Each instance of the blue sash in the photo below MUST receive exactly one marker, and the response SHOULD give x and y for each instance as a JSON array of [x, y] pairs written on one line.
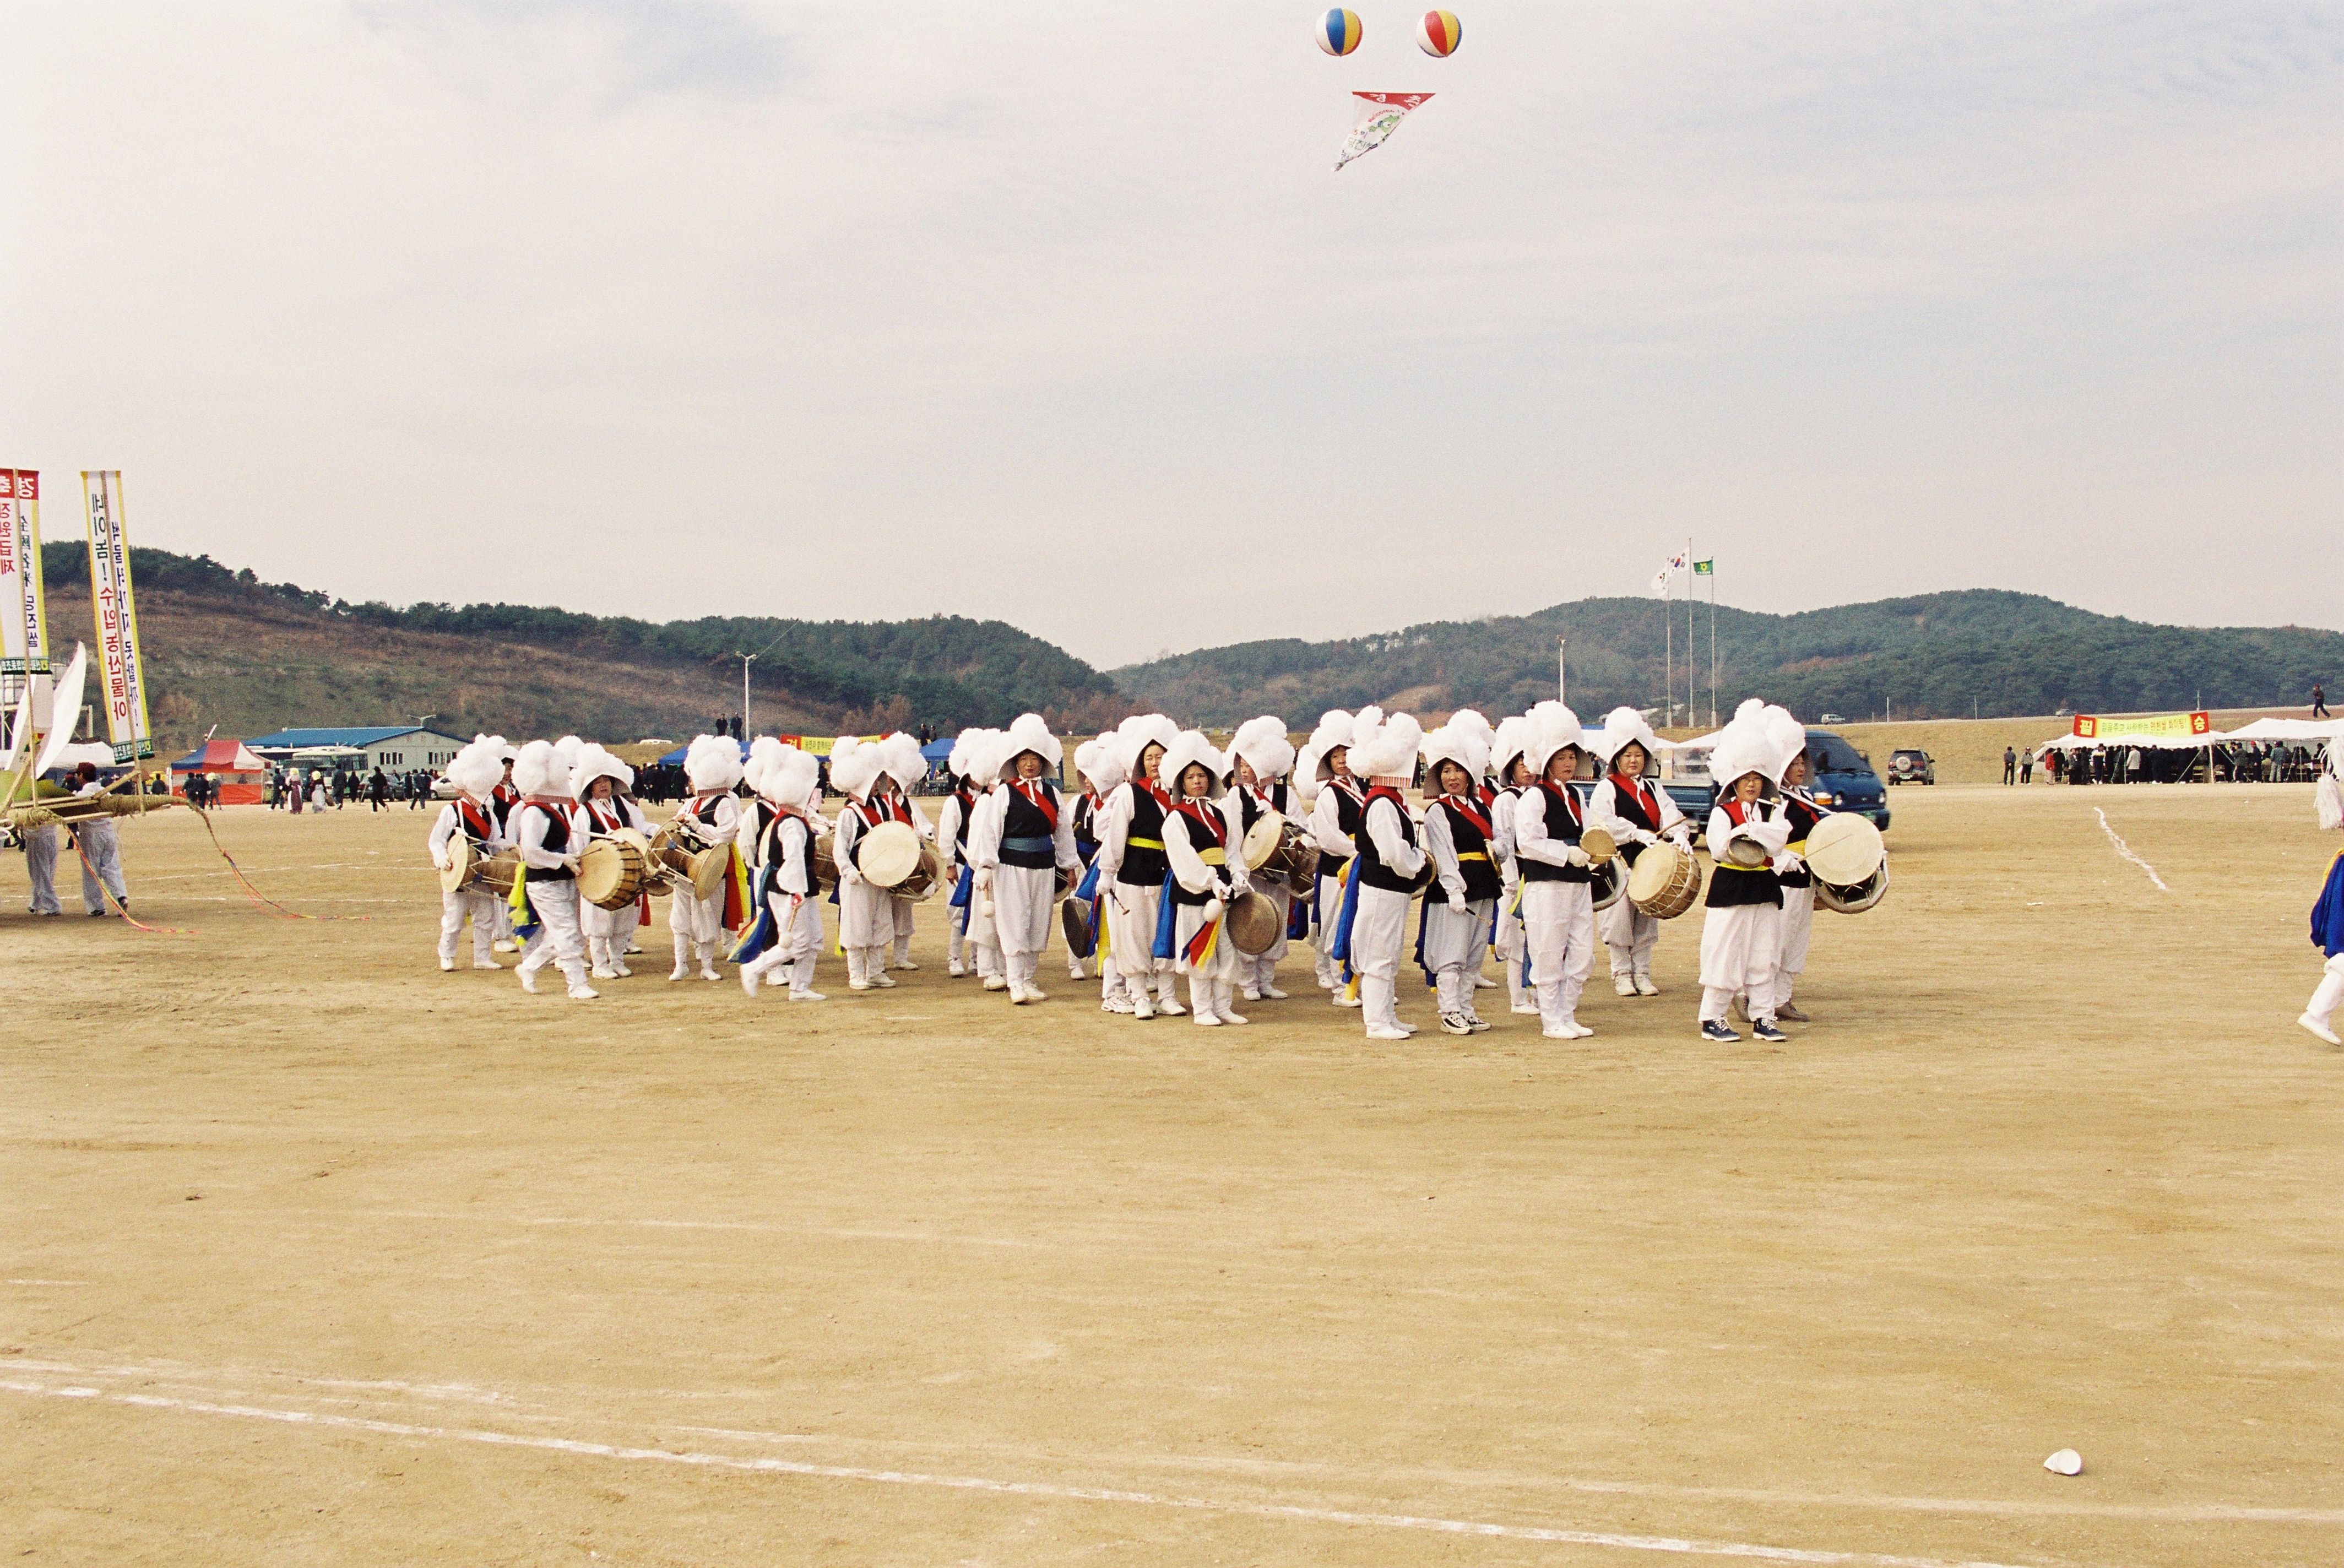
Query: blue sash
[[761, 932], [1341, 951], [2328, 913], [963, 890], [1167, 921]]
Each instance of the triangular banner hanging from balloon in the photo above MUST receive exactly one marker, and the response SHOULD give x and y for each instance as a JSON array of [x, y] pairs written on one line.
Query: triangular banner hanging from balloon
[[1379, 116]]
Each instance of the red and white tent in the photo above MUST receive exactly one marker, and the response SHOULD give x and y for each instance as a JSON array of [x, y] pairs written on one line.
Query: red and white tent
[[236, 775]]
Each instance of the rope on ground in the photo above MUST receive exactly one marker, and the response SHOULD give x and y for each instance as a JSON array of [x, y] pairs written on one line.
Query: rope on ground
[[89, 873], [259, 899], [2126, 850]]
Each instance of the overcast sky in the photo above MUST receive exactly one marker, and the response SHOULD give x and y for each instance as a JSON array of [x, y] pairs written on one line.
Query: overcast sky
[[1057, 313]]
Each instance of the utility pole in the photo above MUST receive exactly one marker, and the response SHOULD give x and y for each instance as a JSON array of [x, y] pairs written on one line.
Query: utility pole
[[1563, 669], [746, 660]]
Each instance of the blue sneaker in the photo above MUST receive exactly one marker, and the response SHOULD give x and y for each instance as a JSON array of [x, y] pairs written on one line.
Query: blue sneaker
[[1765, 1030], [1715, 1029]]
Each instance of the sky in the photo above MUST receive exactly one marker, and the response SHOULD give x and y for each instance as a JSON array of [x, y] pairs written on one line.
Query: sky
[[1059, 314]]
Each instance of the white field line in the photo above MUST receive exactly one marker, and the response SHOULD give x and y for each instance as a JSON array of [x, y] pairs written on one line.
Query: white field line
[[2126, 850], [1675, 1546]]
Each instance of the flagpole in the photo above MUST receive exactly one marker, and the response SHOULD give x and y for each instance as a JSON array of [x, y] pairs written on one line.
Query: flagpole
[[1713, 642], [1667, 652], [1690, 644]]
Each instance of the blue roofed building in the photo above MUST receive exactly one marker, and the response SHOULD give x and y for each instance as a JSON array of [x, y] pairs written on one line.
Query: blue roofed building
[[390, 747]]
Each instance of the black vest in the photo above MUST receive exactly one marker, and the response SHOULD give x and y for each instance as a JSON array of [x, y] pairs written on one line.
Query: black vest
[[1144, 867], [1480, 876], [1373, 872], [1563, 823], [1729, 884], [1249, 809], [1208, 835], [1803, 814], [1351, 813], [1024, 819], [968, 808], [1630, 810], [557, 841], [805, 852]]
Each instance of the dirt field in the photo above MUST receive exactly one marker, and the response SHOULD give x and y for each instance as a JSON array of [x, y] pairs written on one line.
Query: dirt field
[[310, 1254]]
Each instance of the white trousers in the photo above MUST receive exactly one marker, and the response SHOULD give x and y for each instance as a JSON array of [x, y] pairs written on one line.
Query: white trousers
[[903, 908], [1739, 944], [1791, 931], [1558, 931], [558, 939], [696, 919], [1511, 942], [1260, 970], [1631, 934], [1132, 911], [797, 941], [41, 869], [1022, 905], [955, 921], [1220, 965], [867, 915], [1378, 932], [1454, 941], [607, 931], [453, 909], [1331, 911], [2329, 991], [101, 860]]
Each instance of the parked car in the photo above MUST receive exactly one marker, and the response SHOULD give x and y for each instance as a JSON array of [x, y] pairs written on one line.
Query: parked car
[[1841, 777], [1831, 719], [1910, 764]]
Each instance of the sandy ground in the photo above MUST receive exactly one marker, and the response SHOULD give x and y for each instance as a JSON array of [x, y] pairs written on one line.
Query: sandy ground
[[310, 1254]]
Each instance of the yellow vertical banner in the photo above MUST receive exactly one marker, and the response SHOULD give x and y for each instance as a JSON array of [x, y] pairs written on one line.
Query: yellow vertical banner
[[116, 611]]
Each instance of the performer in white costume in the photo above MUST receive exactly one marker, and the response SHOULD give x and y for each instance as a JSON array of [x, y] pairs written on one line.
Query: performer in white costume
[[1511, 941], [867, 912], [1335, 816], [1023, 849], [1260, 758], [1390, 855], [1637, 812], [1461, 838], [1099, 768], [601, 782], [1131, 852], [791, 781], [1740, 920], [902, 767], [1558, 907], [548, 835], [1200, 841], [475, 771], [952, 851], [711, 818], [2327, 910]]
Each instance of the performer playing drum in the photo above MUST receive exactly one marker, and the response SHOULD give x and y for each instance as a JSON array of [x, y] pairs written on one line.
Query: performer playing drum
[[1022, 852], [1637, 812], [472, 819], [1740, 939], [602, 781], [711, 819], [902, 767], [1262, 757], [866, 912], [1558, 911], [548, 831], [787, 935]]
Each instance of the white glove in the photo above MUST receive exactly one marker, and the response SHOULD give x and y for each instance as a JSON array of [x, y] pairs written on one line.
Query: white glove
[[1786, 863], [572, 862], [1682, 839], [1578, 857], [1647, 838]]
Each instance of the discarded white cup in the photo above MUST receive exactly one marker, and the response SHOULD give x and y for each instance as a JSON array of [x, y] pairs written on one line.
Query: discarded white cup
[[2066, 1462]]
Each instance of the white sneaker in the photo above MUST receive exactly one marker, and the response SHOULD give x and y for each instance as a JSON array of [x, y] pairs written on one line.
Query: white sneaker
[[528, 979], [1035, 994], [1170, 1007], [584, 994], [1075, 972], [1117, 1005], [995, 982], [956, 969], [446, 966], [1207, 1021], [487, 964], [1557, 1033], [1483, 983], [505, 944], [1575, 1030], [1141, 1008], [1387, 1035], [1406, 1027], [1527, 1009], [1250, 993], [602, 972], [808, 996], [1226, 1018], [1343, 1001], [1645, 987], [2322, 1030], [906, 964], [682, 971], [634, 948], [1016, 995], [1624, 985], [748, 978], [858, 984], [620, 970], [1269, 993], [707, 972], [884, 980]]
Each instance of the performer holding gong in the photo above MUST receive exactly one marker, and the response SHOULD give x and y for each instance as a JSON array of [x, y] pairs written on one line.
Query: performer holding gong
[[602, 781], [1200, 837], [1260, 757], [1022, 853], [1458, 835], [475, 770]]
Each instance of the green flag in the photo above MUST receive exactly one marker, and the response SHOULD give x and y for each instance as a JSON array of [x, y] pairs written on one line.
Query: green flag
[[1704, 567]]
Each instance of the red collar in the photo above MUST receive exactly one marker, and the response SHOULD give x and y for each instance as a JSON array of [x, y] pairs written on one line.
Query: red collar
[[1643, 796], [1464, 808], [1040, 797], [1563, 792], [1204, 815]]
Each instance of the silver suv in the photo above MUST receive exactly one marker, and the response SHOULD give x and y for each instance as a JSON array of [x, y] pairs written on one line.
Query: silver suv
[[1911, 765]]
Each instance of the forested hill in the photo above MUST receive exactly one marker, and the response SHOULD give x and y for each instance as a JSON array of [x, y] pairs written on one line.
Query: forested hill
[[1930, 656], [223, 647]]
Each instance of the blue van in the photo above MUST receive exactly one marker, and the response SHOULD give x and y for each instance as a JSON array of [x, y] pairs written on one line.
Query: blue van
[[1842, 779]]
